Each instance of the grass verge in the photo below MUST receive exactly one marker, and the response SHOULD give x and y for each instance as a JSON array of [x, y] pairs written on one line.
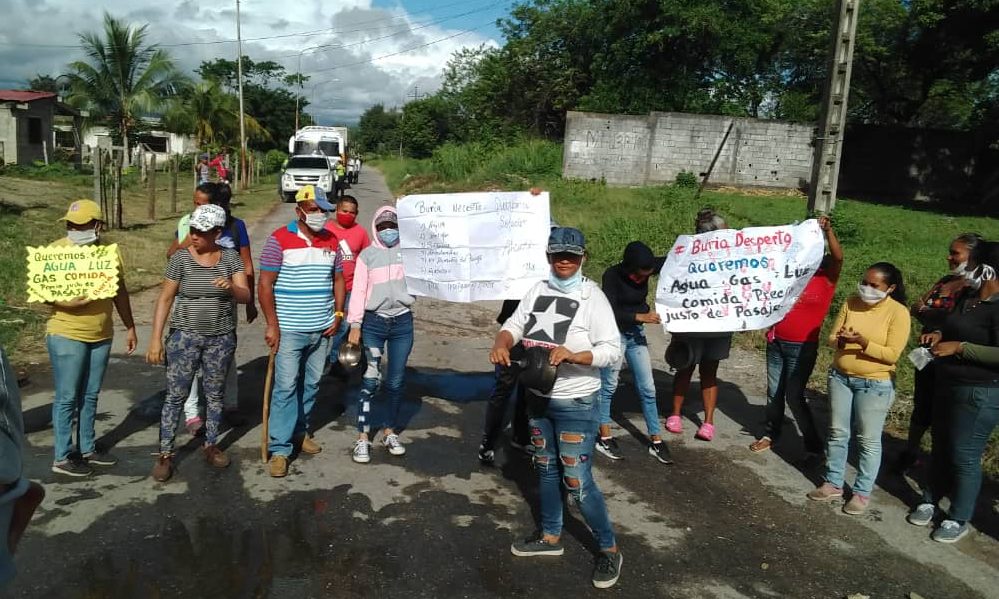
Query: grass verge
[[914, 240], [30, 208]]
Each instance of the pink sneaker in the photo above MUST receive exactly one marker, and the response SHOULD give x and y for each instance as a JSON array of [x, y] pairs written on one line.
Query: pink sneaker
[[194, 425], [674, 425], [706, 432]]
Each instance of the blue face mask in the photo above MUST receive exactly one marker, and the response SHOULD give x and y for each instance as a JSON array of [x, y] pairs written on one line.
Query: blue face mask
[[389, 237], [566, 285]]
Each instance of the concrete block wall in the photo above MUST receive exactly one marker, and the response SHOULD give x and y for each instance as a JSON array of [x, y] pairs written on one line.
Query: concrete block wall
[[757, 152], [606, 146]]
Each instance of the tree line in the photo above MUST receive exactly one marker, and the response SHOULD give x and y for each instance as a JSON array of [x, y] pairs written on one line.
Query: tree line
[[134, 87], [918, 63]]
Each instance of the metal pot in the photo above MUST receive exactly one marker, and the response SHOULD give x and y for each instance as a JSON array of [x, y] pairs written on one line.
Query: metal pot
[[679, 354], [349, 355], [537, 373]]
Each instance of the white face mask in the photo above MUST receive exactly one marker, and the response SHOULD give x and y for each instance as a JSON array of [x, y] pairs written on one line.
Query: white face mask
[[980, 275], [960, 269], [315, 221], [85, 237], [871, 295]]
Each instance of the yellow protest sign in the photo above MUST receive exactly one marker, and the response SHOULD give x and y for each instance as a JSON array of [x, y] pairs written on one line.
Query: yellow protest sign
[[58, 273]]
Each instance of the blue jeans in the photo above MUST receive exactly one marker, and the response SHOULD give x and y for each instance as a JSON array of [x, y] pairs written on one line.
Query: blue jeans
[[789, 365], [78, 369], [340, 336], [563, 442], [298, 366], [865, 402], [636, 351], [390, 337], [959, 440]]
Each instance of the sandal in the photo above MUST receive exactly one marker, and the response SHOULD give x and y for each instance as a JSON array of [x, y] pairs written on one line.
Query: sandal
[[760, 445], [706, 432], [674, 425]]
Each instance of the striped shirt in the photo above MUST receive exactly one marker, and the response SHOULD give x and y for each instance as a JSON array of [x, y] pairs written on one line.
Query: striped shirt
[[303, 291], [201, 307]]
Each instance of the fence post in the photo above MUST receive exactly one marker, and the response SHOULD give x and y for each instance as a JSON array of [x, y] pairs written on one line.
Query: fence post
[[174, 159], [96, 159], [152, 186]]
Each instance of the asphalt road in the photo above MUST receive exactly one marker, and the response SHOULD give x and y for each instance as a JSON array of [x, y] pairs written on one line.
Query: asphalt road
[[721, 523]]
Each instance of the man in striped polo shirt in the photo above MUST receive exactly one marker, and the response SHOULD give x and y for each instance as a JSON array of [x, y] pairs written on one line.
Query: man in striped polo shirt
[[301, 293]]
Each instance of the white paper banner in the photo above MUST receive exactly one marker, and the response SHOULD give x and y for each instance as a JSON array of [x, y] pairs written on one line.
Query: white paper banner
[[734, 280], [468, 247]]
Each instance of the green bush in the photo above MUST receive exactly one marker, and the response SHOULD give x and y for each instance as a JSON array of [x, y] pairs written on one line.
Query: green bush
[[686, 179], [273, 160]]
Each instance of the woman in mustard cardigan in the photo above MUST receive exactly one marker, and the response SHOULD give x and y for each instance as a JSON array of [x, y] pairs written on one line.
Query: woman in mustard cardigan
[[869, 335]]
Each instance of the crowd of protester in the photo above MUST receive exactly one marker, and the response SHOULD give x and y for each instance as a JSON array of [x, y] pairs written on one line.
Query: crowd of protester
[[326, 288]]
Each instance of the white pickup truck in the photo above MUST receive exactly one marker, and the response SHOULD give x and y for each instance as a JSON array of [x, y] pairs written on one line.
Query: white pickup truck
[[313, 169]]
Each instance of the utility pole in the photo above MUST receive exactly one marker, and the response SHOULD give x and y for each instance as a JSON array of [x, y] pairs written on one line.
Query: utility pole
[[829, 140], [242, 121], [299, 95]]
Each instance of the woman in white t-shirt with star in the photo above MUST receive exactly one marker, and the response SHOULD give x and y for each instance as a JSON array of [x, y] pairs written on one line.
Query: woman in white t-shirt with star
[[570, 321]]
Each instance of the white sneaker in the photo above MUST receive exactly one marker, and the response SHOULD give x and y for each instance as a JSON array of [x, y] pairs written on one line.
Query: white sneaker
[[391, 442], [362, 452]]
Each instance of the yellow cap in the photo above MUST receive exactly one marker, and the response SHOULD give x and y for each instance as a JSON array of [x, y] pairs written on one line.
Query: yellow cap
[[305, 194], [82, 212]]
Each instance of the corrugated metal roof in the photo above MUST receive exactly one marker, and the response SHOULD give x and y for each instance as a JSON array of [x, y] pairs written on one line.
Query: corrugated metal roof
[[15, 95]]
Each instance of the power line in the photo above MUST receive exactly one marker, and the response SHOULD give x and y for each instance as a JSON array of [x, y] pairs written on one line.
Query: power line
[[311, 33], [403, 51], [407, 30]]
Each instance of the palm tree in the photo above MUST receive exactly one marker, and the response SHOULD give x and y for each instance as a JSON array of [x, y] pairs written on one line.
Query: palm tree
[[122, 77], [209, 114]]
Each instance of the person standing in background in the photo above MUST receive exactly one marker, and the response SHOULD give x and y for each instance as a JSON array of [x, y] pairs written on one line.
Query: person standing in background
[[351, 240], [78, 339], [203, 170]]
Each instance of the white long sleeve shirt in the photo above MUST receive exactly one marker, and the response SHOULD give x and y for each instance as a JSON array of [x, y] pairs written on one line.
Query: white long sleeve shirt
[[581, 320]]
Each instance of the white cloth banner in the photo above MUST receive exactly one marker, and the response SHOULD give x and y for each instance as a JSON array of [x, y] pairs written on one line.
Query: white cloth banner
[[468, 247], [737, 280]]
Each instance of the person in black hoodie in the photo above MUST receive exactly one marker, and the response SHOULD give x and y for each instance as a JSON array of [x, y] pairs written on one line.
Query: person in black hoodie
[[966, 402], [626, 286], [507, 378]]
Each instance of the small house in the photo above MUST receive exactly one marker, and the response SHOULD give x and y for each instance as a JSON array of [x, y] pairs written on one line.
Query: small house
[[37, 126]]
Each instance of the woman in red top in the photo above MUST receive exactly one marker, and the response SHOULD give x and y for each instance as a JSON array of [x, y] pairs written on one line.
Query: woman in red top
[[792, 347]]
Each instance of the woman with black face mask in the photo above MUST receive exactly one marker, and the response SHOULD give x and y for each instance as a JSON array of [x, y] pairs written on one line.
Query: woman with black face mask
[[966, 404]]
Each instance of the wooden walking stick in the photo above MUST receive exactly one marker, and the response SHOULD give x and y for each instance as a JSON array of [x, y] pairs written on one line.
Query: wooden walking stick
[[268, 383]]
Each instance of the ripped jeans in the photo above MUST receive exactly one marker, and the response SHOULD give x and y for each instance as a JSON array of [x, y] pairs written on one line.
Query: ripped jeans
[[563, 440]]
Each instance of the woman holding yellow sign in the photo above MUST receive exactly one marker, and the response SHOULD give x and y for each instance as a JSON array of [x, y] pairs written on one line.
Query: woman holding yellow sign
[[200, 285], [79, 345]]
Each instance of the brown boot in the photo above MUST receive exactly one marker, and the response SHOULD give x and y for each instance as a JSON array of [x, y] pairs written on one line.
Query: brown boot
[[163, 469], [309, 446], [215, 457], [279, 466]]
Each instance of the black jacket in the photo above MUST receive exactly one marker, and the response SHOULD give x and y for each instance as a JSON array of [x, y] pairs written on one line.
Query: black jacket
[[626, 297], [977, 322]]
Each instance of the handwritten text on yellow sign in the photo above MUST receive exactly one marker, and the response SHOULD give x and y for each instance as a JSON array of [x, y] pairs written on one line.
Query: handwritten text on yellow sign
[[62, 273]]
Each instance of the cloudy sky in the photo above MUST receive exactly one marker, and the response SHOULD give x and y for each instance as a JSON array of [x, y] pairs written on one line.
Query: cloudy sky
[[379, 50]]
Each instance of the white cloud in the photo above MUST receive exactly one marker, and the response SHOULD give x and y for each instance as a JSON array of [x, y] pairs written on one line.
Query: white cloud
[[367, 33]]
